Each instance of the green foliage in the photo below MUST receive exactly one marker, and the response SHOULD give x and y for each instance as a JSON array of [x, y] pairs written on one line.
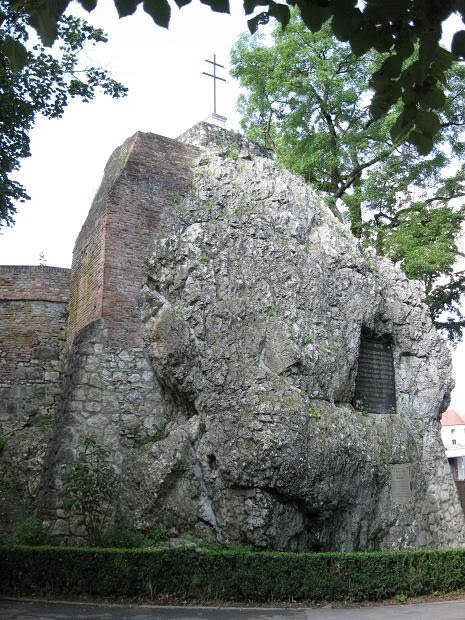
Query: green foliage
[[275, 310], [157, 535], [313, 413], [33, 82], [240, 574], [43, 421], [412, 76], [306, 97], [31, 531], [120, 537], [157, 434], [90, 489], [232, 153]]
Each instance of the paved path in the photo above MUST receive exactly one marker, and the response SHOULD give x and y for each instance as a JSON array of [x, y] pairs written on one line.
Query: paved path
[[25, 610]]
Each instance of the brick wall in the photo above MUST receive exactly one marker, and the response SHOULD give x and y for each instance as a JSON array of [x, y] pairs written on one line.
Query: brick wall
[[143, 176], [33, 312], [34, 283], [85, 305]]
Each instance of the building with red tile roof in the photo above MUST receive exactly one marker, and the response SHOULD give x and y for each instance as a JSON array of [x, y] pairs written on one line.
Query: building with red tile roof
[[450, 417]]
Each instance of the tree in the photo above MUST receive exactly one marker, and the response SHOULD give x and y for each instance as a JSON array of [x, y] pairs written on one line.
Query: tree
[[307, 99], [395, 27], [44, 85]]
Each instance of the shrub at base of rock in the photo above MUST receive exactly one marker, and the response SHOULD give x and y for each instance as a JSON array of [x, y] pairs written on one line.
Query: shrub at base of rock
[[229, 575]]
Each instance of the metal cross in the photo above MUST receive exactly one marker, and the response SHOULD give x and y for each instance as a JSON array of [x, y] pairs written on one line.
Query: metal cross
[[215, 78]]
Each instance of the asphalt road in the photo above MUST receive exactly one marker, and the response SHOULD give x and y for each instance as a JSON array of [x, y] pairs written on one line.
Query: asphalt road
[[27, 610]]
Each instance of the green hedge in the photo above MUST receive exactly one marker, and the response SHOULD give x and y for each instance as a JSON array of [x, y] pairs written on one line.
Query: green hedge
[[228, 575]]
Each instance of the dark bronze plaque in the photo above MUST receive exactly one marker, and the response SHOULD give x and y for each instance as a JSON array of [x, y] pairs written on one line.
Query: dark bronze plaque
[[374, 385]]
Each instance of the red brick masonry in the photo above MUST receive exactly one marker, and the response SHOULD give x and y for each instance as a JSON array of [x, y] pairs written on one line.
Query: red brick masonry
[[19, 282]]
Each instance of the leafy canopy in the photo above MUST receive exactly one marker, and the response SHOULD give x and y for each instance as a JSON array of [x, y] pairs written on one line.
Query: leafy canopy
[[306, 97], [34, 81], [395, 27]]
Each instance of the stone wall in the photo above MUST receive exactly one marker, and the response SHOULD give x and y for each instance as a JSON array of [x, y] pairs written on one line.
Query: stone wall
[[111, 392], [33, 315]]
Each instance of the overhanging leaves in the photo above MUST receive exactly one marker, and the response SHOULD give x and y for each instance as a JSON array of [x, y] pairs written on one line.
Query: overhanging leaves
[[314, 15], [427, 123], [251, 5], [88, 5], [281, 12], [159, 11], [458, 44], [392, 66], [126, 7], [45, 24], [260, 19], [15, 52], [347, 24], [219, 6], [401, 28], [422, 142]]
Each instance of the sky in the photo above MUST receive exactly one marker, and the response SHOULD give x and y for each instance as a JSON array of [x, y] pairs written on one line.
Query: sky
[[167, 94]]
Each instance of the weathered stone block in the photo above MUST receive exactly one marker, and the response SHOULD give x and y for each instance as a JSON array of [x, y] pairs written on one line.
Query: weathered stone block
[[45, 352]]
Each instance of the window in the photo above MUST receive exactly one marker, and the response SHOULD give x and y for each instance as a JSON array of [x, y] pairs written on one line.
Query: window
[[374, 384]]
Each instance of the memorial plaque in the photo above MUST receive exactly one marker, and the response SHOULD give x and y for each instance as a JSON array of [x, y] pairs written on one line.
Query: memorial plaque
[[375, 385], [401, 492]]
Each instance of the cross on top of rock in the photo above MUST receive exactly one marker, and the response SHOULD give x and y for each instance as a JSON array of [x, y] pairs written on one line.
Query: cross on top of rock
[[215, 79]]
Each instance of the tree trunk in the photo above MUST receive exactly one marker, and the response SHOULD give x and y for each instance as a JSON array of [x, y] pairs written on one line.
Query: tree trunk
[[355, 209]]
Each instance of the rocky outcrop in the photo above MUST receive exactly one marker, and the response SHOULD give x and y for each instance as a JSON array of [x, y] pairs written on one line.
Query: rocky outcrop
[[255, 303], [261, 380]]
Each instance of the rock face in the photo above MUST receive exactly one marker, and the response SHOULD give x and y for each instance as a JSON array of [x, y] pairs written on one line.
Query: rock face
[[235, 377], [255, 303]]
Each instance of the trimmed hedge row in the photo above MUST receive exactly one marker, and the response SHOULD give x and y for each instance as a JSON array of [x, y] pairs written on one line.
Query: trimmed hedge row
[[228, 575]]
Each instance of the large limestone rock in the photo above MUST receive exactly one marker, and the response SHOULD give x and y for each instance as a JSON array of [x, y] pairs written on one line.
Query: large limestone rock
[[255, 301]]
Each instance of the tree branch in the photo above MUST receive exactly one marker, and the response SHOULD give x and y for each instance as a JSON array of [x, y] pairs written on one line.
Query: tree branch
[[439, 198], [354, 174]]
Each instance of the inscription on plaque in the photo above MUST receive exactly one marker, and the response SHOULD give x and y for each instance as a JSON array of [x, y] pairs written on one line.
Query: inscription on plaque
[[374, 385], [401, 491]]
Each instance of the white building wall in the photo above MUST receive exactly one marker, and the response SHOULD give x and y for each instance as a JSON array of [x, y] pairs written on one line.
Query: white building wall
[[453, 437]]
